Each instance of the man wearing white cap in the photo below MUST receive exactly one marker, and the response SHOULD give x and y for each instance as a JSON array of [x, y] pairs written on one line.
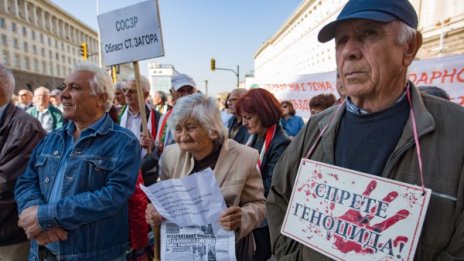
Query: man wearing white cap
[[385, 127], [181, 85]]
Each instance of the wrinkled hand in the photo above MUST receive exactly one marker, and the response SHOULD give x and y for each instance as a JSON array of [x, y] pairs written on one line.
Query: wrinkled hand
[[231, 218], [146, 142], [152, 216], [29, 222], [53, 235]]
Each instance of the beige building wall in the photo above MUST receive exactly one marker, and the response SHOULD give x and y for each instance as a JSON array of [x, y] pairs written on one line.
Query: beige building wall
[[40, 42], [294, 48]]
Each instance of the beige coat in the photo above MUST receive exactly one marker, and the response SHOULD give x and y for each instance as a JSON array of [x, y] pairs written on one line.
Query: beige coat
[[236, 173]]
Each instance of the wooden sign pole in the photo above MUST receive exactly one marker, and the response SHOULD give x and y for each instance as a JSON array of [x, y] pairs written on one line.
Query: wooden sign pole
[[141, 100]]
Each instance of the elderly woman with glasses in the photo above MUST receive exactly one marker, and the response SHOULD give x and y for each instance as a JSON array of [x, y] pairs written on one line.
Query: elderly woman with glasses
[[201, 143], [291, 123]]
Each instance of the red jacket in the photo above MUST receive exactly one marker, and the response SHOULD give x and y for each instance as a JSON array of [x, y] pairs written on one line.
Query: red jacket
[[138, 228]]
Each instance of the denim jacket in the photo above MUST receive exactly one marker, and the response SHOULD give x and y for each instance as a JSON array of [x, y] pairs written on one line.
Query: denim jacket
[[99, 178]]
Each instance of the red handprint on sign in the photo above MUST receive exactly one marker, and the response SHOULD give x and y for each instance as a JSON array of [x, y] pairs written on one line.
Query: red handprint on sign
[[360, 225]]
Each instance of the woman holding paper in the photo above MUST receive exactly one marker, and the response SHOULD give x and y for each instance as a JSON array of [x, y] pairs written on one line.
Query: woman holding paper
[[201, 143]]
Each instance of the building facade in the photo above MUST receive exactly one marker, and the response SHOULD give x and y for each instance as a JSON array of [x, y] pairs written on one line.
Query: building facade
[[40, 42], [160, 76], [294, 48]]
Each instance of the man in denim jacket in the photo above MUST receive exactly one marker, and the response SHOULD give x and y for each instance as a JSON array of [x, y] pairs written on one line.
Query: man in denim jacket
[[72, 198]]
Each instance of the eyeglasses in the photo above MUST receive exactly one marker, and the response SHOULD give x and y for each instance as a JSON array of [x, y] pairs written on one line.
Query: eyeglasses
[[130, 91], [284, 106]]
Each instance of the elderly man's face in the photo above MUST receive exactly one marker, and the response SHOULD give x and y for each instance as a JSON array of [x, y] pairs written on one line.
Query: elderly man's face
[[119, 97], [183, 91], [371, 62], [25, 97], [79, 105], [41, 98]]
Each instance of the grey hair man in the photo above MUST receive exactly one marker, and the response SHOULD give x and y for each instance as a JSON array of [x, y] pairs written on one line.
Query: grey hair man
[[131, 117], [19, 134], [48, 115], [25, 99], [160, 101], [372, 131], [237, 131], [79, 179]]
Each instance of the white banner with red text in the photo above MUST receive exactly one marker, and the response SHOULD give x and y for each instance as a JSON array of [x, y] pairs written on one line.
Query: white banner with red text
[[446, 73]]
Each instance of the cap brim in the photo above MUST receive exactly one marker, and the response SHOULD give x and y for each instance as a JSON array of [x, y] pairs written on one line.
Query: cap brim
[[327, 32]]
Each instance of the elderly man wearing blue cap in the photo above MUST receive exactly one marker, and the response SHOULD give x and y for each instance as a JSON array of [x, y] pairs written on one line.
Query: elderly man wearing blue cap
[[379, 128]]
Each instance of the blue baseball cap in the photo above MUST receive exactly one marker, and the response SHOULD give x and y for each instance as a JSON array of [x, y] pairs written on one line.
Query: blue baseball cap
[[376, 10]]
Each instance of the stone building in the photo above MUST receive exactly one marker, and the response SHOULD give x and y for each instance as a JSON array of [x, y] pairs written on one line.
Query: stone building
[[41, 43]]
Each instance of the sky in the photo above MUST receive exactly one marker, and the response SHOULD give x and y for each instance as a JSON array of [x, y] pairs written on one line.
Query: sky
[[196, 31]]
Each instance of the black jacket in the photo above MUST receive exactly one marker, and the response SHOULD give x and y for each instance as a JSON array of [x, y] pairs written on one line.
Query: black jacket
[[19, 134]]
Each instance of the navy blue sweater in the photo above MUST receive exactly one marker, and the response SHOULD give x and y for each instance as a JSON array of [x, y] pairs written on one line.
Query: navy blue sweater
[[365, 142]]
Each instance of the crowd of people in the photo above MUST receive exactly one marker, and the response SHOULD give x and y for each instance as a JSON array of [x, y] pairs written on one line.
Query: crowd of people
[[72, 159]]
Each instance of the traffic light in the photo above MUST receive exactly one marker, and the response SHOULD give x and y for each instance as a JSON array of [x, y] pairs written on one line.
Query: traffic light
[[213, 64], [84, 51]]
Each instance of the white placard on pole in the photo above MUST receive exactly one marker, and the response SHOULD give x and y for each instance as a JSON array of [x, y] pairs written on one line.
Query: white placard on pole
[[131, 34]]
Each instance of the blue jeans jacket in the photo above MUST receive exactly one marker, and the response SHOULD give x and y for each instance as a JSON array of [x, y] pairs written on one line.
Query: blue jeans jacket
[[99, 178]]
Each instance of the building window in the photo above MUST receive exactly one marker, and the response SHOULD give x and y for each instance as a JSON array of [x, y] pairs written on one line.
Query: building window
[[27, 63], [15, 43], [63, 59], [57, 57], [51, 68], [36, 65], [62, 46], [49, 41], [44, 67], [34, 49], [13, 27], [4, 40], [33, 34], [6, 58], [2, 22], [42, 51], [24, 31], [58, 71], [26, 47], [41, 38], [56, 43], [50, 54], [17, 61]]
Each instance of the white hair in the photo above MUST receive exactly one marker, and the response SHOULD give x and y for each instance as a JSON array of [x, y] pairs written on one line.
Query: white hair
[[7, 81], [41, 88], [405, 32], [202, 109], [101, 82], [119, 85], [145, 84]]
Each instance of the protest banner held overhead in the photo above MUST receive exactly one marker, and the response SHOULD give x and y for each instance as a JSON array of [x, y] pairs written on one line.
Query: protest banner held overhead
[[349, 215], [131, 34]]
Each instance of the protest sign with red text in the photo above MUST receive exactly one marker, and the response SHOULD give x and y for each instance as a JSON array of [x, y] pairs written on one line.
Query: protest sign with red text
[[349, 215]]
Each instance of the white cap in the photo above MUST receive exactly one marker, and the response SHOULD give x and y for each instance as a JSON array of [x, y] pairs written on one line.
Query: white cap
[[180, 80]]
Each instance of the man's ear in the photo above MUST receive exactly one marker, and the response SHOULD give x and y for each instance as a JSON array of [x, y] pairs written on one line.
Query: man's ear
[[412, 48], [101, 100]]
